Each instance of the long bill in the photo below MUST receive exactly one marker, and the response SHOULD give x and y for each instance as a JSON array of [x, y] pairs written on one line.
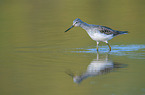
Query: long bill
[[69, 28]]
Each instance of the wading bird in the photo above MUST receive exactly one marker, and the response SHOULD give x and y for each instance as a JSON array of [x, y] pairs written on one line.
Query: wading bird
[[97, 32]]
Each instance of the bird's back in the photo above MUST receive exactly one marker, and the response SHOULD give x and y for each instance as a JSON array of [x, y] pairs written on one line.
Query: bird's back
[[108, 31]]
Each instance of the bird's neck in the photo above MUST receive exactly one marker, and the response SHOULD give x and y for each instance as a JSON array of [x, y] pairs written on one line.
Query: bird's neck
[[85, 26]]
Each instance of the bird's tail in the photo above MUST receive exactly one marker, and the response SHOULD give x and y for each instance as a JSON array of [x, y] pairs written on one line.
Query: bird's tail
[[122, 32]]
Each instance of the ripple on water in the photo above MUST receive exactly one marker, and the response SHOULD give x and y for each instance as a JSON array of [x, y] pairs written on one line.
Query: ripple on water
[[132, 51]]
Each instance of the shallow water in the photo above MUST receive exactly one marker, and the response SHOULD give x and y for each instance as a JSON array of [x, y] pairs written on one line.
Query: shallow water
[[38, 58], [130, 51]]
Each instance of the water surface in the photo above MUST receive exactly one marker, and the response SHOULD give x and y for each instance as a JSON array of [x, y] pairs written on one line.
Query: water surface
[[38, 58]]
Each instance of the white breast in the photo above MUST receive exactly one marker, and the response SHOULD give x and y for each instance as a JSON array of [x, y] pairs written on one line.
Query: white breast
[[97, 36]]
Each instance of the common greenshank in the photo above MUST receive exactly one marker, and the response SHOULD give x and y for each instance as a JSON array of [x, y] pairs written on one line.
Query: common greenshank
[[97, 32]]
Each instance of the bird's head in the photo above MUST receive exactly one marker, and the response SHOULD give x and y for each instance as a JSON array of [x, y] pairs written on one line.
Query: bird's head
[[76, 23]]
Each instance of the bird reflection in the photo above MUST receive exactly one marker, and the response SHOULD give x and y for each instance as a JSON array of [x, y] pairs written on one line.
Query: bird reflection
[[100, 65]]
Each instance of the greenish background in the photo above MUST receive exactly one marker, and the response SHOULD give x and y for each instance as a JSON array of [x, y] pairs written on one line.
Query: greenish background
[[35, 53]]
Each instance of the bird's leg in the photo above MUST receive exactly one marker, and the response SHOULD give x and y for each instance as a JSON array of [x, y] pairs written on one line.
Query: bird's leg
[[97, 45], [108, 45]]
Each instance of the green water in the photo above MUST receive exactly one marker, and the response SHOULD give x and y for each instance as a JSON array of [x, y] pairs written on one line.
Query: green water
[[38, 58]]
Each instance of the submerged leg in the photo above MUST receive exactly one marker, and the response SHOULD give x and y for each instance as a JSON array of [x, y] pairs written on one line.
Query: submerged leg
[[108, 45], [97, 45]]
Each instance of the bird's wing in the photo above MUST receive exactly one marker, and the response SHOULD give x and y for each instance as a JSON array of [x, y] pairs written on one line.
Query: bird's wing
[[106, 30]]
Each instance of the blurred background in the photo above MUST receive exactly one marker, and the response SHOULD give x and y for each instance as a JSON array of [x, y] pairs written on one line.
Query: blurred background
[[35, 53]]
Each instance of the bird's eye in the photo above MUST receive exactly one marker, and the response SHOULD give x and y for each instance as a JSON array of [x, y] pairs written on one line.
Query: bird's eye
[[76, 22]]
